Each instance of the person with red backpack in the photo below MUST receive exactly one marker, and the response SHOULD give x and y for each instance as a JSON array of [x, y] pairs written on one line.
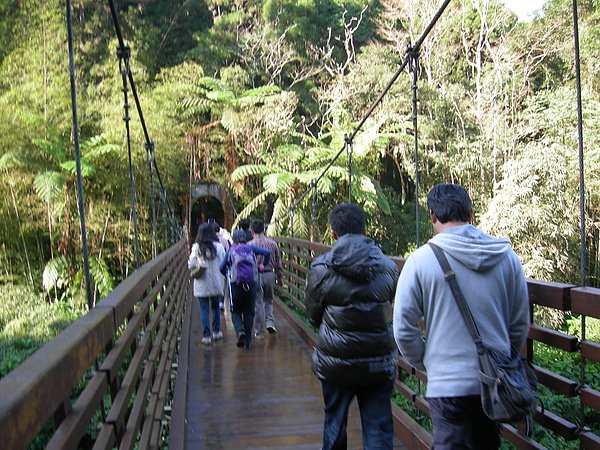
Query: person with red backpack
[[240, 260]]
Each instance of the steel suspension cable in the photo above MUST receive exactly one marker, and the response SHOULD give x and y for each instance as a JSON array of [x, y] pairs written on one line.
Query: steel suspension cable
[[80, 202], [583, 263], [414, 59], [86, 258], [123, 53]]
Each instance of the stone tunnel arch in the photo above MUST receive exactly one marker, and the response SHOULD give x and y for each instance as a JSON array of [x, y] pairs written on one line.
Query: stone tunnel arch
[[206, 192]]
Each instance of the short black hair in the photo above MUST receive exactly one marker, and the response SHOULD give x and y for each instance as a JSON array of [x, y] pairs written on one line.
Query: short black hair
[[257, 226], [450, 203], [245, 224], [347, 218]]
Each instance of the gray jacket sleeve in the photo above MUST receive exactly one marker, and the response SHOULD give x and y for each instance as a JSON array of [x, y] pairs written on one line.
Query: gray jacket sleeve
[[408, 309]]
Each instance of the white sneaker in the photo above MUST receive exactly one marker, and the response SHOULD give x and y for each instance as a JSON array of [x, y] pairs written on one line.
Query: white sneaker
[[218, 335], [206, 340]]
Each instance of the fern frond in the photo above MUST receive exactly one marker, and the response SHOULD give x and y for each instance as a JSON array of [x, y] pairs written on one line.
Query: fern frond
[[231, 120], [254, 97], [279, 217], [101, 276], [301, 224], [367, 190], [250, 170], [56, 273], [49, 185], [250, 207], [212, 84], [87, 168], [52, 149], [11, 160], [291, 152], [277, 183]]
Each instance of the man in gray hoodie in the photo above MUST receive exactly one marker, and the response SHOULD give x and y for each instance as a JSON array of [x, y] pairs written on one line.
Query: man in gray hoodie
[[491, 278]]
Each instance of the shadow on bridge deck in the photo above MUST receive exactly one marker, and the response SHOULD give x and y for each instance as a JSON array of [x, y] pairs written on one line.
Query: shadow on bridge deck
[[262, 397]]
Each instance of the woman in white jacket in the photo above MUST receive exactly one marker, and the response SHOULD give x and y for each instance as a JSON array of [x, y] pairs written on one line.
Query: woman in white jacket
[[209, 287]]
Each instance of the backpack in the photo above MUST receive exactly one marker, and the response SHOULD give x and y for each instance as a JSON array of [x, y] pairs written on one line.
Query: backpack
[[243, 264]]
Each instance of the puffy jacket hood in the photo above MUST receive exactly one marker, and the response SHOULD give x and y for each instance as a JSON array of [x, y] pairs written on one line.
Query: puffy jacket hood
[[355, 257], [471, 247]]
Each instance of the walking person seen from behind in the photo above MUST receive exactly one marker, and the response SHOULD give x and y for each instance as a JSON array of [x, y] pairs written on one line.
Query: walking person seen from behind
[[490, 275], [349, 297], [209, 287], [240, 261], [270, 274]]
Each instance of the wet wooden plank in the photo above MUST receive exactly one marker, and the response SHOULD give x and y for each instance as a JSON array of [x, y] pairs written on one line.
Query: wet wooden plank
[[264, 397]]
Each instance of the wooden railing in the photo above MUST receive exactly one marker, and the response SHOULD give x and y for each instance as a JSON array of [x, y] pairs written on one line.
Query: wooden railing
[[105, 380], [296, 257]]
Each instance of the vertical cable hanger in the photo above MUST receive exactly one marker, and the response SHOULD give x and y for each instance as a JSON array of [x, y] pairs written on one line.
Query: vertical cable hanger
[[583, 261], [80, 203], [123, 53], [163, 198], [149, 144], [348, 145], [150, 157], [313, 210], [413, 55]]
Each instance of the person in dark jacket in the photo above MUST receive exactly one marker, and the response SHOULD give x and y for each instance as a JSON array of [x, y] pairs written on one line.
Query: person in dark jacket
[[349, 297]]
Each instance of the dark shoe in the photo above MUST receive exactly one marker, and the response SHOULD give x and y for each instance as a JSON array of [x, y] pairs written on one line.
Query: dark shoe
[[241, 339], [272, 329]]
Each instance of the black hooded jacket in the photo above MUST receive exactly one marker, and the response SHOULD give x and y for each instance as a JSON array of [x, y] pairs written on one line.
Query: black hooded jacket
[[349, 296]]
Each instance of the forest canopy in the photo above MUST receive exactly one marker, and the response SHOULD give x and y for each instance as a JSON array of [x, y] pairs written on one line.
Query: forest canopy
[[259, 95]]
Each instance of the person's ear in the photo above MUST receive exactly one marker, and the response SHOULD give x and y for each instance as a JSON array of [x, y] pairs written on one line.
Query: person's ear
[[432, 217]]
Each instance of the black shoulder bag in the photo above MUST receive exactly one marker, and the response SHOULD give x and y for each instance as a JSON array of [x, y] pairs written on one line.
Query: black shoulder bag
[[508, 384]]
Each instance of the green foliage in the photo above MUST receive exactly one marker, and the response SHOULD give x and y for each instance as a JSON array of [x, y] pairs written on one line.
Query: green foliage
[[27, 321]]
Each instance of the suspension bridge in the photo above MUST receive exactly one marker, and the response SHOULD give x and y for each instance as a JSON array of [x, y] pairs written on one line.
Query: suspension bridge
[[132, 373]]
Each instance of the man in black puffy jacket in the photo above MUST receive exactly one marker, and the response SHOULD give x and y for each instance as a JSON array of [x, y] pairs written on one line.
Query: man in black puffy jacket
[[349, 297]]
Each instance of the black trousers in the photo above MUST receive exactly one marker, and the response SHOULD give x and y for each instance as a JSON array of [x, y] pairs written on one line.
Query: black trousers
[[460, 423]]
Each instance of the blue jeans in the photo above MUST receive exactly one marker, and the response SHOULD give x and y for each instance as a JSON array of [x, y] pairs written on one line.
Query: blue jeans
[[205, 316], [460, 423], [375, 407], [242, 313]]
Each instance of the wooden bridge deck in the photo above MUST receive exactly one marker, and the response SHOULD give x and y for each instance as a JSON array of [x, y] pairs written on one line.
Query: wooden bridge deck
[[264, 397]]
